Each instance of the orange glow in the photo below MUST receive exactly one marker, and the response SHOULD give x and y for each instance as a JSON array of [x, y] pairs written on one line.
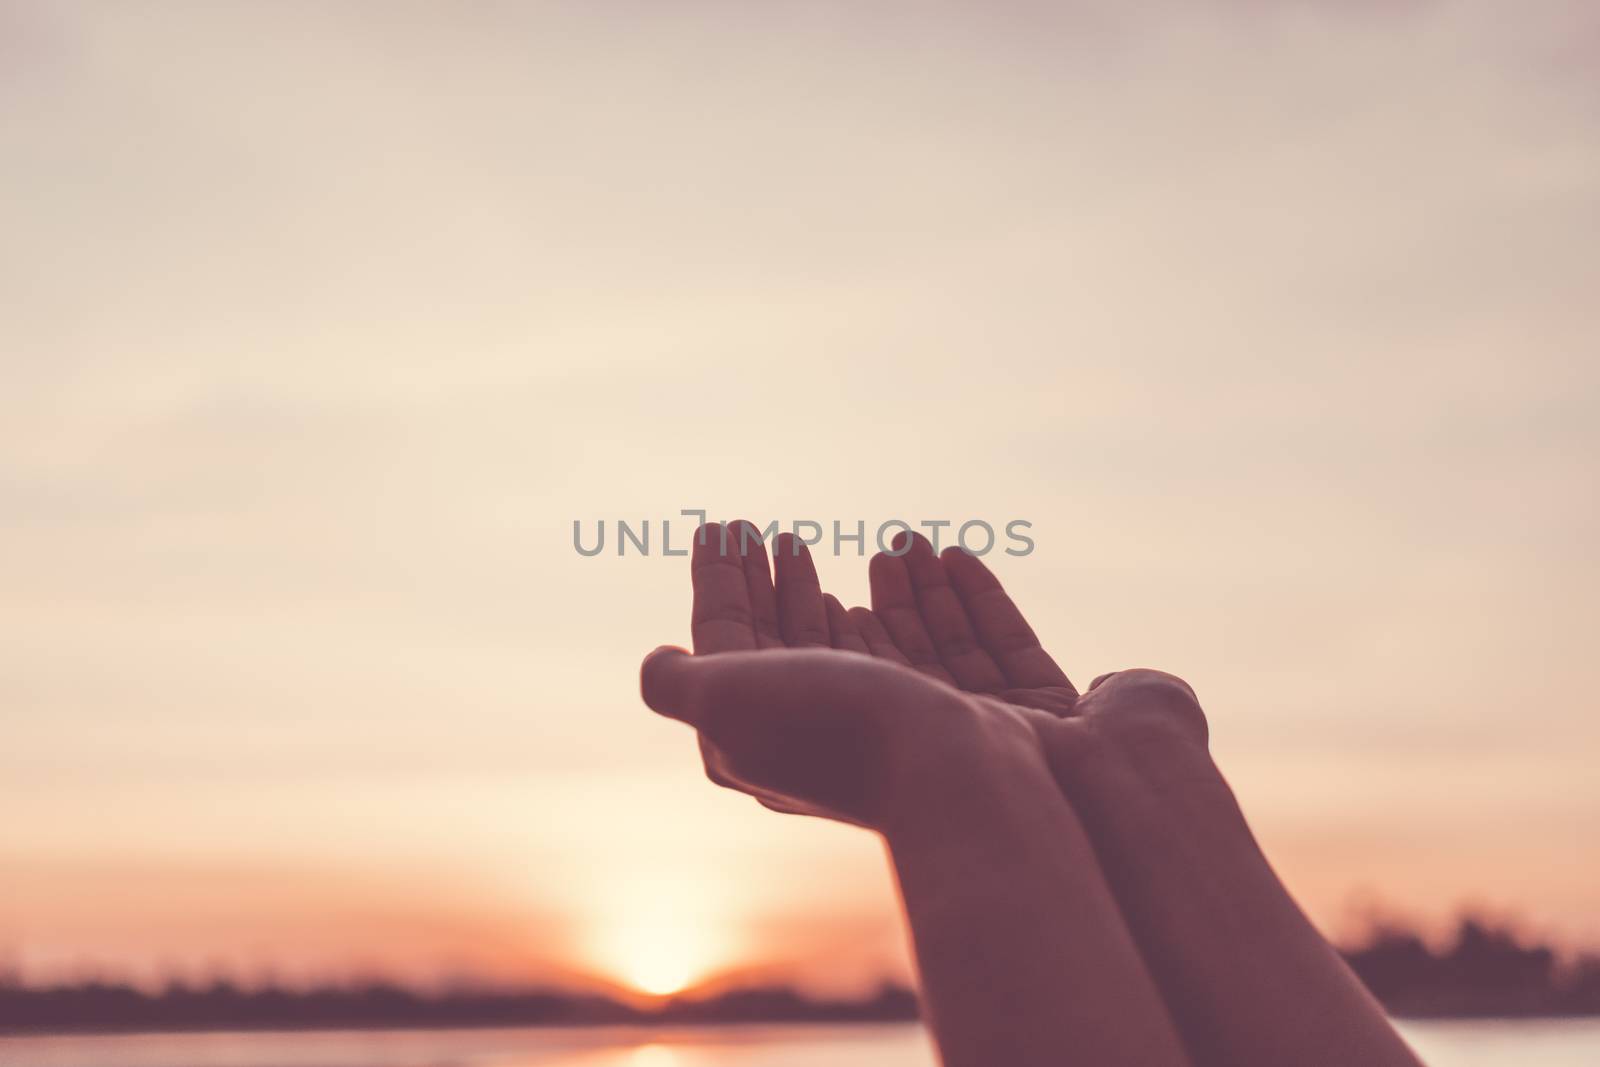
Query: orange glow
[[657, 973], [656, 961], [658, 941], [302, 678]]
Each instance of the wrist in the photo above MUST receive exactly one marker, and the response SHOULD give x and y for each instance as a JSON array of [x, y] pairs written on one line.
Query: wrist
[[1144, 772], [968, 786]]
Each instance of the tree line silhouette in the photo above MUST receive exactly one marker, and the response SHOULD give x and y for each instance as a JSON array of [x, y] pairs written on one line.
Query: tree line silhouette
[[223, 1005], [1485, 971]]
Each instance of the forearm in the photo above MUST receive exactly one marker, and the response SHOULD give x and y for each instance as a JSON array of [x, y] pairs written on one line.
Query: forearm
[[1024, 957], [1245, 975]]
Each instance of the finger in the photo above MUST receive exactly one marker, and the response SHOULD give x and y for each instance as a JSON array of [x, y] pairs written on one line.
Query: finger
[[894, 602], [721, 619], [998, 624], [668, 684], [802, 617], [842, 631], [876, 637], [796, 723], [734, 696], [745, 539], [1096, 683], [944, 617]]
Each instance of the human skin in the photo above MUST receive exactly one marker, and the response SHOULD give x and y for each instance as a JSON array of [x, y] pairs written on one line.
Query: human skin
[[1023, 953], [1246, 977]]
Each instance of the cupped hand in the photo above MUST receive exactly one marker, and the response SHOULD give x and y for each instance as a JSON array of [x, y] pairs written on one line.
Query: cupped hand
[[847, 714], [787, 714], [947, 616]]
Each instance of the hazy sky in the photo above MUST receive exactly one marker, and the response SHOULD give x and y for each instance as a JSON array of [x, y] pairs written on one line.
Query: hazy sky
[[320, 324]]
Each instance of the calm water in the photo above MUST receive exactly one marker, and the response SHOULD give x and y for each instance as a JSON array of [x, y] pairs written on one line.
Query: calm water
[[1476, 1044]]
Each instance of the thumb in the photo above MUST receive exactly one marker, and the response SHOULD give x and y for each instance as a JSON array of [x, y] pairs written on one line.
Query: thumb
[[667, 683]]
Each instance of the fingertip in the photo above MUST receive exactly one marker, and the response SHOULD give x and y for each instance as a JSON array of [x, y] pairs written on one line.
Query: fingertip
[[923, 564], [663, 678], [710, 539], [889, 579], [787, 544], [659, 656], [969, 571], [908, 541]]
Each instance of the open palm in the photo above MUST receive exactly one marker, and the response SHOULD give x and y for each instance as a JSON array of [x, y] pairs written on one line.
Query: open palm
[[818, 710], [785, 709], [948, 617]]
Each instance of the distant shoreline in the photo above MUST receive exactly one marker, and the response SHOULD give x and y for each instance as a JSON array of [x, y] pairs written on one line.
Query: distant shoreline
[[102, 1008], [401, 1026], [1486, 974]]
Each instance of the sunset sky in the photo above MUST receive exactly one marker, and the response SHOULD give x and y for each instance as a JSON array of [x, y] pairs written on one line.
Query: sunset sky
[[321, 324]]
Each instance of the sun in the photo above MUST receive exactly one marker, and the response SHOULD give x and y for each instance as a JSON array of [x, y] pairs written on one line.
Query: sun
[[658, 974], [658, 930], [659, 937], [658, 955]]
